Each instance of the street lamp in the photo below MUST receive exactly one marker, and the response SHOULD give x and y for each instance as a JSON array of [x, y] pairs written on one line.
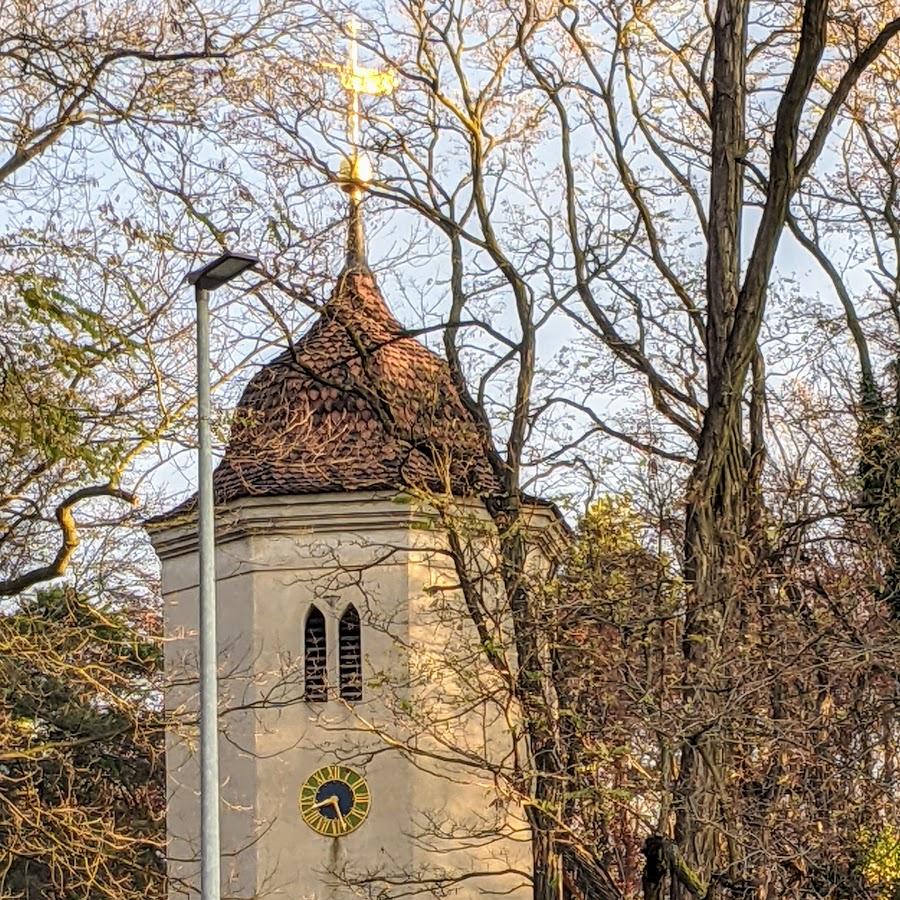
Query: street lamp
[[211, 276]]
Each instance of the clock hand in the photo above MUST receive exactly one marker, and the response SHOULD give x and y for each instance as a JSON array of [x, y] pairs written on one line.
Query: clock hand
[[337, 808], [331, 801]]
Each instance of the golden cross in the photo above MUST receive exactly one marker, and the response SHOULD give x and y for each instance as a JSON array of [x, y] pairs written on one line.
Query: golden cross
[[356, 80]]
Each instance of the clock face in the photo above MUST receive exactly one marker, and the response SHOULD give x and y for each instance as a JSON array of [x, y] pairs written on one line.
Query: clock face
[[334, 800]]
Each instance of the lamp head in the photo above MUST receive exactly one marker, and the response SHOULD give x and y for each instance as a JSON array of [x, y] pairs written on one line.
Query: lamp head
[[221, 270]]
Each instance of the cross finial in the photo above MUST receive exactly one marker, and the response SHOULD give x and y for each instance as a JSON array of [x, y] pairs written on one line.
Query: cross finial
[[356, 170], [356, 80]]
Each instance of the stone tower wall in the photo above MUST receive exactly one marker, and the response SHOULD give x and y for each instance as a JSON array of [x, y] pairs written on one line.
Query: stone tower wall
[[431, 734]]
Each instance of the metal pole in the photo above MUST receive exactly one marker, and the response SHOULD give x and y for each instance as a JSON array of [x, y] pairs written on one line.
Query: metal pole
[[209, 727]]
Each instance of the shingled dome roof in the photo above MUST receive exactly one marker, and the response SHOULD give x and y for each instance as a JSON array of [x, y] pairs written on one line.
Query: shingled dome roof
[[355, 405]]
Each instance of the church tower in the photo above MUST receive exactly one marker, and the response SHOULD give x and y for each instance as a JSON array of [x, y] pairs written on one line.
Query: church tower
[[367, 747]]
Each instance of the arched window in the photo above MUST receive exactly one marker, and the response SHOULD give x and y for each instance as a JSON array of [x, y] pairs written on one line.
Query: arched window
[[350, 655], [315, 667]]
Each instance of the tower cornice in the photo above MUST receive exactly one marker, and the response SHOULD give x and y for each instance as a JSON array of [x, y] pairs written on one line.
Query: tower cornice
[[365, 513]]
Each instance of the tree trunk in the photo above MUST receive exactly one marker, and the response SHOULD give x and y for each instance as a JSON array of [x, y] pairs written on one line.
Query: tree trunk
[[717, 507], [540, 722], [722, 500]]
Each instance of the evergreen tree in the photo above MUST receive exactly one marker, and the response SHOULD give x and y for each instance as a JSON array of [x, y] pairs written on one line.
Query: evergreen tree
[[82, 783]]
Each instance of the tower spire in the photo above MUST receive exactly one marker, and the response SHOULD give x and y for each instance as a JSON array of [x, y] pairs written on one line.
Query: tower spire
[[356, 170]]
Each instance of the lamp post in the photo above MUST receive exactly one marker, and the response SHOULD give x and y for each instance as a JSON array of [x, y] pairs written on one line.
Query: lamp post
[[211, 276]]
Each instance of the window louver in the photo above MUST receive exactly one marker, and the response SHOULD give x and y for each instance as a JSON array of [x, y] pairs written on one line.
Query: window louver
[[315, 658], [350, 655]]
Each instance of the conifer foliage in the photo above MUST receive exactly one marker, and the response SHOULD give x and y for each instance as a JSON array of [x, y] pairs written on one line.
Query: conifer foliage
[[81, 765]]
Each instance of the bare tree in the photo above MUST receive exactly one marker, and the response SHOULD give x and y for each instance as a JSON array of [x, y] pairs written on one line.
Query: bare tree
[[493, 91], [92, 372], [599, 191]]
